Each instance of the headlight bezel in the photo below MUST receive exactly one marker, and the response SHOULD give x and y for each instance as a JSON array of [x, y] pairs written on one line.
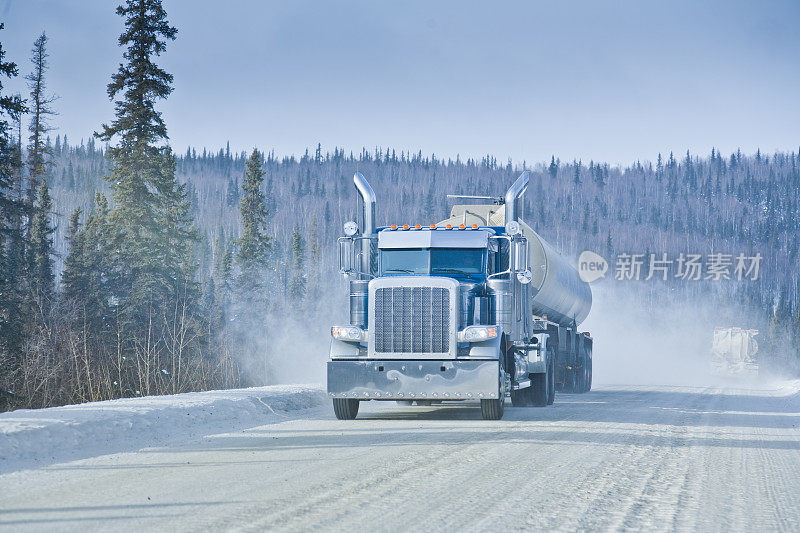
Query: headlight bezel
[[348, 333], [479, 333]]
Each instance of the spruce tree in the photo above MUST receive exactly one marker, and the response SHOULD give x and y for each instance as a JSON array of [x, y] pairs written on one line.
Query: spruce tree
[[297, 284], [71, 277], [39, 153], [553, 168], [40, 263], [42, 278], [86, 274], [12, 244], [253, 246], [150, 228]]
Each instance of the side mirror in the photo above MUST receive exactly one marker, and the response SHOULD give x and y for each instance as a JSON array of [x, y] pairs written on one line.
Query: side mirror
[[346, 254]]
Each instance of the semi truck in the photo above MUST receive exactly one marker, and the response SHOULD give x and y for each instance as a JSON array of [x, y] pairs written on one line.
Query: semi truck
[[477, 307], [732, 352]]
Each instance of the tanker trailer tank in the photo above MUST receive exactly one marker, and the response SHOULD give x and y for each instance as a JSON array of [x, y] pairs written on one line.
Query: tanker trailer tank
[[558, 291]]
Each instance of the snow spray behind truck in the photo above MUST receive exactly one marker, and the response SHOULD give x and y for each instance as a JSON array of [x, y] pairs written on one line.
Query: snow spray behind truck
[[476, 307]]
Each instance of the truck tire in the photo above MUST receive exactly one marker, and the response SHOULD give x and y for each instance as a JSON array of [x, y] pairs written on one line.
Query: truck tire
[[572, 381], [589, 375], [551, 390], [539, 389], [585, 381], [345, 408], [544, 383], [492, 409]]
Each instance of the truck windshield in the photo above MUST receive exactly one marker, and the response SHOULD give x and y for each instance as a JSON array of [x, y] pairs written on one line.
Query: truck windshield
[[459, 263]]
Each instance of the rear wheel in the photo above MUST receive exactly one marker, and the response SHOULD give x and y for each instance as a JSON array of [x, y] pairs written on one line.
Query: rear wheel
[[572, 381], [345, 408], [551, 389], [580, 378], [588, 375], [540, 388], [585, 379]]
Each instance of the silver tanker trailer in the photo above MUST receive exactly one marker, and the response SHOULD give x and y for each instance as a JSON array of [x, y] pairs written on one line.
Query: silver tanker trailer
[[476, 307]]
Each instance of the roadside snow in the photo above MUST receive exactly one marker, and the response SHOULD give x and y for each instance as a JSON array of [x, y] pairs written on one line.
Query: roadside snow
[[34, 438]]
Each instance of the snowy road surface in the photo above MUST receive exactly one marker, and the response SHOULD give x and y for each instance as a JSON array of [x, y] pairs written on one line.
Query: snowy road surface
[[637, 458]]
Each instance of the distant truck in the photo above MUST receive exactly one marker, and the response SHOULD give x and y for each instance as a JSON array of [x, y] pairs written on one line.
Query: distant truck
[[732, 352], [475, 307]]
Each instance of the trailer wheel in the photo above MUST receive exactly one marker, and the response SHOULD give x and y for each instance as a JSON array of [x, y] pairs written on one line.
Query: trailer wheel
[[551, 389], [589, 375], [572, 382], [345, 408], [585, 383]]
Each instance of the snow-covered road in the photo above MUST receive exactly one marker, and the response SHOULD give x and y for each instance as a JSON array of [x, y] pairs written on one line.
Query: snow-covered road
[[639, 458]]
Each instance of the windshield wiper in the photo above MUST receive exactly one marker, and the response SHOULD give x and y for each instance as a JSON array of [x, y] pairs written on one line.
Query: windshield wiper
[[452, 270], [407, 271]]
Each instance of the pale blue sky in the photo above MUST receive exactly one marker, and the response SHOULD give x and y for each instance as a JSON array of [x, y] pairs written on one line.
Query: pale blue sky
[[613, 81]]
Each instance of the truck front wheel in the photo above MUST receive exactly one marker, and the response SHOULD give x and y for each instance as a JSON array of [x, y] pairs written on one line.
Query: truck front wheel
[[345, 408], [493, 409]]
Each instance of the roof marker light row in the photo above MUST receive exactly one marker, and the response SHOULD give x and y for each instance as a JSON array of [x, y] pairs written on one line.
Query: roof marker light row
[[432, 226]]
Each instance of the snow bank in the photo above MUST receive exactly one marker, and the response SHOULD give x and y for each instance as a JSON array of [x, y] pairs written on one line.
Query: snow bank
[[35, 438]]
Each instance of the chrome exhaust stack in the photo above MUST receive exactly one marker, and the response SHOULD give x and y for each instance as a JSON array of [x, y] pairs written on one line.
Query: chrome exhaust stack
[[368, 201], [513, 199], [359, 288]]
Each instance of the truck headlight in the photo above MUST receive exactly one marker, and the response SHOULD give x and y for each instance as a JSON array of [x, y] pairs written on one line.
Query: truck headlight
[[348, 333], [477, 333]]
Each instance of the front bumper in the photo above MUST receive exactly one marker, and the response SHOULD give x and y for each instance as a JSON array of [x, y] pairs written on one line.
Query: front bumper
[[414, 380]]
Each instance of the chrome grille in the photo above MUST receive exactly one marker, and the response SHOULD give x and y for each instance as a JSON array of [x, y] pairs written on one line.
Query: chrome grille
[[412, 320]]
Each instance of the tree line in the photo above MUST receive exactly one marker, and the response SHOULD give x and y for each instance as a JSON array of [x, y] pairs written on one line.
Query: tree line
[[129, 316]]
